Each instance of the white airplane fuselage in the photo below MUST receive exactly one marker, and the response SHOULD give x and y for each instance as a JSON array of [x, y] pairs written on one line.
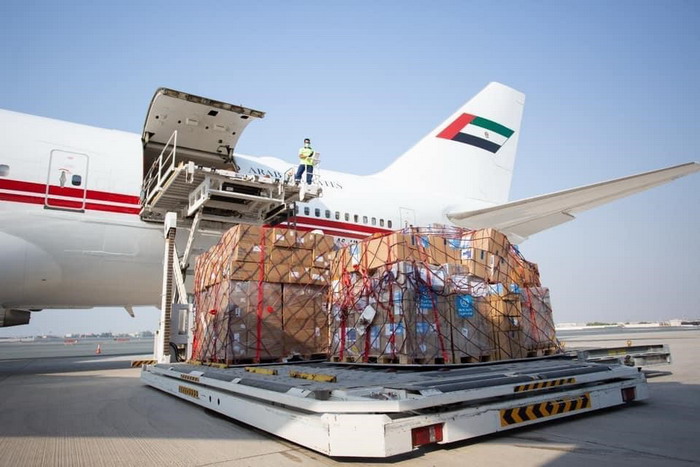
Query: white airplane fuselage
[[56, 255]]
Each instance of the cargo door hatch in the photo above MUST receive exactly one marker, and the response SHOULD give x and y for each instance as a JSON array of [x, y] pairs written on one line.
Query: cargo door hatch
[[189, 166], [207, 130]]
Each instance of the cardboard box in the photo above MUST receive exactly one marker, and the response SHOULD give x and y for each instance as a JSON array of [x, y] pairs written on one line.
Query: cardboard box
[[490, 240], [324, 244], [241, 233], [302, 301], [472, 330], [473, 254], [247, 252], [381, 251], [505, 312], [497, 269], [242, 271], [537, 320], [227, 321], [281, 237], [319, 276], [289, 257], [431, 249], [508, 345], [322, 260], [476, 268], [306, 239]]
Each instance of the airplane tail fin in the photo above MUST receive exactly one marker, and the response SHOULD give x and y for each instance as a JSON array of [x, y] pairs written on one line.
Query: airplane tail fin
[[472, 153]]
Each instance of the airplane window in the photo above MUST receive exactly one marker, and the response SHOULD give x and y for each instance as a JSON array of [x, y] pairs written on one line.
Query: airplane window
[[307, 211], [296, 209], [4, 170], [317, 212], [328, 214], [364, 219], [374, 221], [76, 180], [347, 217], [337, 215], [357, 219], [388, 223], [381, 222]]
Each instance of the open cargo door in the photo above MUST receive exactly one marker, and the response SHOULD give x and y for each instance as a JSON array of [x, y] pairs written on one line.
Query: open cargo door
[[207, 130]]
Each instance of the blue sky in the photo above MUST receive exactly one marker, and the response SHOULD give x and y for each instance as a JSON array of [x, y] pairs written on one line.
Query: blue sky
[[611, 91]]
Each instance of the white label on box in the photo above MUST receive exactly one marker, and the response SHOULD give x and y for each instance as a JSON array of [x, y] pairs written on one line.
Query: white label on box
[[465, 332], [355, 253]]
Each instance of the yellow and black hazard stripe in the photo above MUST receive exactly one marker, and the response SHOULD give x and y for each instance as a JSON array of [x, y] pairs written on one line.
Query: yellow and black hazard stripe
[[138, 363], [528, 413], [194, 379], [313, 376], [189, 391], [544, 384], [261, 370]]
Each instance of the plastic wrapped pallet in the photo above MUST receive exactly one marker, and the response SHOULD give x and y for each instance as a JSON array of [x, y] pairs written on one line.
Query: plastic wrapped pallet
[[239, 321], [431, 295], [537, 320], [403, 315], [261, 294]]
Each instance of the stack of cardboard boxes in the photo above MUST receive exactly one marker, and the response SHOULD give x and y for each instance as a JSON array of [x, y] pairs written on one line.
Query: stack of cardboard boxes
[[437, 295], [260, 294], [421, 295]]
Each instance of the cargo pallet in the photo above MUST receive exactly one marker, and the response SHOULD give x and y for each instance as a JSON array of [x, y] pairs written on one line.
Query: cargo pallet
[[378, 411]]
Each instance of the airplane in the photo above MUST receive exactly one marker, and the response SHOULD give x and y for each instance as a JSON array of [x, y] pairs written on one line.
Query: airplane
[[71, 233]]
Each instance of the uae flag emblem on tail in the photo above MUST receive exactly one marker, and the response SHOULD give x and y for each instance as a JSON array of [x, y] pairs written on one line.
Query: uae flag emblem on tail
[[477, 131]]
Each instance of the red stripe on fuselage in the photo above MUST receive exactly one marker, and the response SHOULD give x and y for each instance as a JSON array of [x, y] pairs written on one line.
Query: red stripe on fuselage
[[18, 185], [21, 198], [454, 127], [322, 223], [62, 203]]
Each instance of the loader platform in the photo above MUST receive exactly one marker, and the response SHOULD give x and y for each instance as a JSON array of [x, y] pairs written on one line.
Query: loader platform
[[348, 410]]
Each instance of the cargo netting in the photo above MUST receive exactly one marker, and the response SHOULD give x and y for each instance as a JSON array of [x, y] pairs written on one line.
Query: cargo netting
[[261, 295], [436, 296]]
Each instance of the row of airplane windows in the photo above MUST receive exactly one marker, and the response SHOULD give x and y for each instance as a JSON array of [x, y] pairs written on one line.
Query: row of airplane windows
[[346, 216]]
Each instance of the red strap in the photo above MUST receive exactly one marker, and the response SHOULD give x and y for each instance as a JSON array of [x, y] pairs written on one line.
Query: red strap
[[261, 278]]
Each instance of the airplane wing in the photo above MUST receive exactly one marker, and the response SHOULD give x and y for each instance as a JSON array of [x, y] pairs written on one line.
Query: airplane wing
[[523, 218]]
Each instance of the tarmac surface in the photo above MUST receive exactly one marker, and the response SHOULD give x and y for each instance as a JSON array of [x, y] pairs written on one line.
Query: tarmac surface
[[95, 411]]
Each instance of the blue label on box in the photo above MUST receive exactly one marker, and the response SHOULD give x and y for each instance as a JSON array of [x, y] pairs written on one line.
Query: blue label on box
[[351, 335], [464, 305], [459, 243], [422, 328], [395, 328], [425, 298], [375, 332], [515, 288], [425, 241]]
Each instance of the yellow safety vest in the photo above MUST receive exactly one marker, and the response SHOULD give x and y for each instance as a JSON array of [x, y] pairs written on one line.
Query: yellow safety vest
[[307, 156]]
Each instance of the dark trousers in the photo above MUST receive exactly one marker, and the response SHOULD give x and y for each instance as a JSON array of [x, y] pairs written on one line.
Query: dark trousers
[[309, 173]]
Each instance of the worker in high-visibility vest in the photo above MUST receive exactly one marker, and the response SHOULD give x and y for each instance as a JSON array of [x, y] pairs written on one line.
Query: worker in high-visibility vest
[[306, 162]]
